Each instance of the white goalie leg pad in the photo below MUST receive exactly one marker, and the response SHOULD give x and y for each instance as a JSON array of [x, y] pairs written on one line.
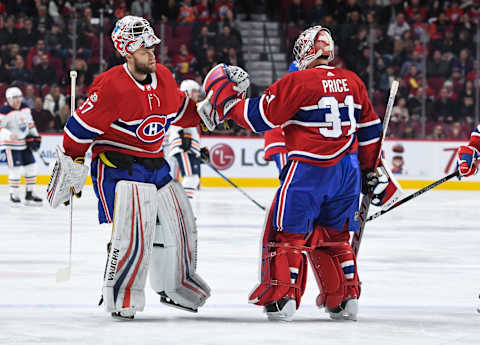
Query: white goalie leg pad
[[131, 246], [190, 185], [174, 254]]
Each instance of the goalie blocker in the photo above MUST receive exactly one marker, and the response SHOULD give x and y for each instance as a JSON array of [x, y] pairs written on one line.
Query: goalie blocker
[[145, 218]]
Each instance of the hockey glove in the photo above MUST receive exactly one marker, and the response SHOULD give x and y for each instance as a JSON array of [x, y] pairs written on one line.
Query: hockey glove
[[467, 155], [224, 86], [33, 142], [186, 140], [204, 155], [383, 186]]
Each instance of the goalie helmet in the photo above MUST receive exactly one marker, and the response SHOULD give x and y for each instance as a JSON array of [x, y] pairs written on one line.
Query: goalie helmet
[[311, 44], [189, 85], [132, 33]]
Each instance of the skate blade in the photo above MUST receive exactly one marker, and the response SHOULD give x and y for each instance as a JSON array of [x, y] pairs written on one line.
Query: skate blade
[[63, 274], [33, 203]]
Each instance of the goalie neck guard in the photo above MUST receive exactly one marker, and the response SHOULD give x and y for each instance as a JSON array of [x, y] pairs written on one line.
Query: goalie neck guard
[[132, 33], [311, 44]]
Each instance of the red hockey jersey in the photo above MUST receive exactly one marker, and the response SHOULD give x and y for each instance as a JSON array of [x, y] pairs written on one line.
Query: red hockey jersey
[[324, 111], [475, 138], [274, 143], [123, 115]]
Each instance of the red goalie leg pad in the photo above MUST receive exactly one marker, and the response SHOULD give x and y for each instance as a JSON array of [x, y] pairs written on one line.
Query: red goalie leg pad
[[283, 270], [334, 266]]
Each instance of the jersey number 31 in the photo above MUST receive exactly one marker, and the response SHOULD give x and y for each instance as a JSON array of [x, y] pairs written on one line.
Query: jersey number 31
[[333, 116]]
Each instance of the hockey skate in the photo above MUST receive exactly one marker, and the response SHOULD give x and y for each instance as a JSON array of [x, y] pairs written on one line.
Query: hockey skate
[[14, 200], [32, 200], [281, 310], [127, 314], [348, 310]]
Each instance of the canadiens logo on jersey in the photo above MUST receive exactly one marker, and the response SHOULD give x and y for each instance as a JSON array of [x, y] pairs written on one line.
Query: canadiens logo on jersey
[[152, 128]]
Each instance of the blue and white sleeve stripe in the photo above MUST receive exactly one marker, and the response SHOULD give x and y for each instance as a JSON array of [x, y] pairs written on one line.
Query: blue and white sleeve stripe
[[369, 132], [254, 115], [79, 131]]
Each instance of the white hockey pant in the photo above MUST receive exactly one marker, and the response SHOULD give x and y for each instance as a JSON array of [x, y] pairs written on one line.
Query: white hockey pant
[[131, 246], [174, 255]]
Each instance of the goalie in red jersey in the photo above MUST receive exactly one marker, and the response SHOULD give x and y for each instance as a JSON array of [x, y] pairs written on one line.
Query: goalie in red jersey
[[124, 121], [332, 139]]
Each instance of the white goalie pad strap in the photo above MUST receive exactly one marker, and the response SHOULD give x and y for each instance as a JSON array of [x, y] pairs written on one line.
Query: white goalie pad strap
[[174, 254], [131, 246], [65, 175]]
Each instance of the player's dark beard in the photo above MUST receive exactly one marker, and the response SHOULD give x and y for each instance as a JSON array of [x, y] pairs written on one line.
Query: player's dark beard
[[143, 68]]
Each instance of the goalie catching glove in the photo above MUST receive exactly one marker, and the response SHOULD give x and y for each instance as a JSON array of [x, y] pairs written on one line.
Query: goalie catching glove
[[68, 177], [467, 155], [224, 86], [383, 186]]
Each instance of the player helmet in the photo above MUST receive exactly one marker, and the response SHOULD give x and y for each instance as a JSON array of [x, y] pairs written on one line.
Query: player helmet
[[132, 33], [312, 43], [189, 85], [13, 92]]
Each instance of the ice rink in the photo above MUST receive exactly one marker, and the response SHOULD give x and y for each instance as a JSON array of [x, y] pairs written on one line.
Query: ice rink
[[419, 264]]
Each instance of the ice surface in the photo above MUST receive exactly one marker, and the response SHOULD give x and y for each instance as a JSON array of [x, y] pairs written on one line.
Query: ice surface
[[419, 266]]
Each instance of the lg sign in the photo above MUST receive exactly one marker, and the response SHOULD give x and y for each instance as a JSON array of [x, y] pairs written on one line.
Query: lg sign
[[222, 156]]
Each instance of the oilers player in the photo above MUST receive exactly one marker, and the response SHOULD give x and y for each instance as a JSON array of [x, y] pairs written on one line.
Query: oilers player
[[184, 145], [19, 138], [129, 109], [331, 135]]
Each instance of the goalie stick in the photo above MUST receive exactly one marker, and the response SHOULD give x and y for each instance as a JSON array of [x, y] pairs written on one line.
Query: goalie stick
[[366, 199], [414, 195], [63, 274], [235, 186]]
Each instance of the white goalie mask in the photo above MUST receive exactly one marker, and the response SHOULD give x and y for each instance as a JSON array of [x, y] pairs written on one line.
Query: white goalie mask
[[311, 44], [132, 33]]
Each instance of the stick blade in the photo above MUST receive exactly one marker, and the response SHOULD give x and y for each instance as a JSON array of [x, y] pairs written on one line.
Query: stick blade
[[63, 274]]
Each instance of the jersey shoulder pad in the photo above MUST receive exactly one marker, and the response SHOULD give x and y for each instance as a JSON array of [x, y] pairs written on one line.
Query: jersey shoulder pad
[[5, 109]]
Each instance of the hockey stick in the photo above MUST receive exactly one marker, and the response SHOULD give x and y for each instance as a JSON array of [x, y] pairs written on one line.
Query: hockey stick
[[414, 195], [47, 164], [235, 186], [365, 204], [63, 274]]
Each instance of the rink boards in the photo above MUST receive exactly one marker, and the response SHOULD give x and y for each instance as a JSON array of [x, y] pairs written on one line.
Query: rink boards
[[416, 163]]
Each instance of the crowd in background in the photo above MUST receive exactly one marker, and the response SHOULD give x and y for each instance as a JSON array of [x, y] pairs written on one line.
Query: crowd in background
[[36, 50], [398, 30]]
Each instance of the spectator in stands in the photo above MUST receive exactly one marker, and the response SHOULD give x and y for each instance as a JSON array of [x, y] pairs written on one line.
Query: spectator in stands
[[55, 102], [296, 13], [29, 96], [19, 73], [400, 111], [466, 110], [226, 40], [397, 28], [82, 43], [186, 12], [317, 12], [202, 12], [454, 12], [465, 24], [415, 8], [444, 107], [233, 58], [53, 40], [34, 56], [44, 74], [202, 41], [222, 7], [463, 62], [11, 55], [457, 132], [4, 74], [43, 19], [415, 58], [438, 132], [184, 62], [28, 35], [464, 41], [208, 61], [141, 8], [437, 67], [9, 34], [43, 118], [169, 12], [121, 10], [434, 10]]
